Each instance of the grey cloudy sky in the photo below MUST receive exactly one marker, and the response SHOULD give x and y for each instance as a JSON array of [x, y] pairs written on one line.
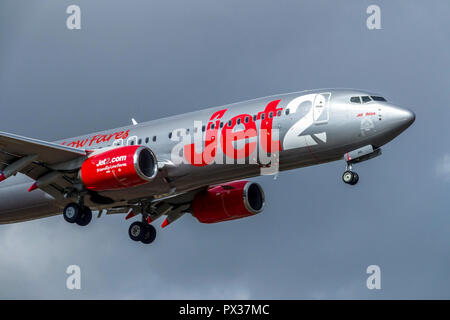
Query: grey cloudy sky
[[150, 59]]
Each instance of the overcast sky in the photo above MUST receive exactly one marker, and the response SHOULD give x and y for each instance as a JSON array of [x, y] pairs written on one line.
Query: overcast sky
[[317, 236]]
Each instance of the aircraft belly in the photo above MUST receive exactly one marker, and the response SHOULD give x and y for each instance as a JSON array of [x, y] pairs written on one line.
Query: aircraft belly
[[158, 186], [215, 174]]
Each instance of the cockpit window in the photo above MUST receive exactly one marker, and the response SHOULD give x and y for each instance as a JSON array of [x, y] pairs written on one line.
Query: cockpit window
[[378, 98], [355, 100], [366, 99]]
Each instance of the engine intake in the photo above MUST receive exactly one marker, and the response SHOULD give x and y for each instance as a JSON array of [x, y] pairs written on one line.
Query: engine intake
[[119, 168], [233, 200]]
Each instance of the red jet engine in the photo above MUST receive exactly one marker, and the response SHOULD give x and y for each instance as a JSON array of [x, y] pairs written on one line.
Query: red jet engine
[[229, 201], [119, 168]]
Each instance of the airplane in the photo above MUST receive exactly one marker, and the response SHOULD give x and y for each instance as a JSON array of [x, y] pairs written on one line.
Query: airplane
[[196, 162]]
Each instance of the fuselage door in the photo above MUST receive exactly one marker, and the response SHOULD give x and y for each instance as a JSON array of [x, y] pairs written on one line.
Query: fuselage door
[[321, 108]]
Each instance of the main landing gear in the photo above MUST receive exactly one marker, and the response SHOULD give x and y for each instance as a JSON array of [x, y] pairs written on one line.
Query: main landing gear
[[142, 231], [79, 214], [350, 177]]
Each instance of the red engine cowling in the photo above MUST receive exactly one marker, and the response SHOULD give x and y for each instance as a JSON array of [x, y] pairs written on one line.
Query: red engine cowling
[[119, 168], [229, 201]]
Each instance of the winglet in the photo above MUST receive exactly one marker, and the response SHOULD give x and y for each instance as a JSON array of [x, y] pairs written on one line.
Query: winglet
[[134, 121]]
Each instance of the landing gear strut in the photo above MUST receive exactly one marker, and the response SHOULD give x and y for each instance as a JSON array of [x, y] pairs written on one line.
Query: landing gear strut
[[142, 231], [350, 177], [79, 214]]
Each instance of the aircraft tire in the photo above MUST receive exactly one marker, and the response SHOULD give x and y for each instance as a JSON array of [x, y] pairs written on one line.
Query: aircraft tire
[[71, 212], [137, 231], [150, 234], [85, 217], [355, 179], [348, 177]]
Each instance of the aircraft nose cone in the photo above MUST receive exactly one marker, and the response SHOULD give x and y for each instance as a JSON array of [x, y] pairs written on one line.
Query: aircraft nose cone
[[405, 117], [392, 122]]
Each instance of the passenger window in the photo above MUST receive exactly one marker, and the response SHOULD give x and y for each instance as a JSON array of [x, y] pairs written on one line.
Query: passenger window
[[212, 126], [247, 119], [154, 138], [238, 121], [203, 128], [270, 115], [279, 113], [255, 117], [221, 125], [132, 142], [230, 123], [355, 100], [170, 135], [147, 139], [118, 142], [366, 99], [262, 116], [287, 111], [140, 141]]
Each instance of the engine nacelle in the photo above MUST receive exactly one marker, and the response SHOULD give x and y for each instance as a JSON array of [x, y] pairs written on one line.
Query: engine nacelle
[[229, 201], [119, 168]]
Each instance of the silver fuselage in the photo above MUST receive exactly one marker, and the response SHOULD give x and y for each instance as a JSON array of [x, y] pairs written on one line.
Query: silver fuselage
[[321, 126]]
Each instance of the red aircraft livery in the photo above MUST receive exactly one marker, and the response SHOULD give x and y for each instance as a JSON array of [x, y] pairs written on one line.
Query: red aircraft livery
[[228, 136], [97, 139]]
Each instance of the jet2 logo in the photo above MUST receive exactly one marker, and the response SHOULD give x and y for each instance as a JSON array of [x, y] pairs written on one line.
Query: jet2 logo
[[238, 138], [113, 160], [294, 137], [230, 138]]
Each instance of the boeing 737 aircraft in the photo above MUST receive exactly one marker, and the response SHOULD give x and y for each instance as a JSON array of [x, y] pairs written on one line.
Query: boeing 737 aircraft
[[193, 163]]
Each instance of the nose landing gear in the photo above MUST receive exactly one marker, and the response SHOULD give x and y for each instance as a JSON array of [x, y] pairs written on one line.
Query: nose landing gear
[[350, 177], [356, 156]]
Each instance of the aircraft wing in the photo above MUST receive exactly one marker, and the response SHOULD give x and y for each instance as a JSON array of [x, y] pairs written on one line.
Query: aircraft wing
[[46, 157], [13, 146]]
